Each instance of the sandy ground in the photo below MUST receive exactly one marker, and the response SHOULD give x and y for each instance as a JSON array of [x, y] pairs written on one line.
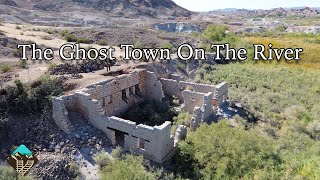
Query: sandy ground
[[37, 69]]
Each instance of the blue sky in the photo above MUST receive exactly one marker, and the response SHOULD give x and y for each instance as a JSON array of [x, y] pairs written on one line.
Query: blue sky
[[207, 5]]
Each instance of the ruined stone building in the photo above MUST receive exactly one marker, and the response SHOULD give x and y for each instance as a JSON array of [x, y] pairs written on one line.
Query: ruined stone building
[[102, 102]]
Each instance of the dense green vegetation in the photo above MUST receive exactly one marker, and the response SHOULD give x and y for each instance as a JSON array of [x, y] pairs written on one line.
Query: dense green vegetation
[[150, 113], [8, 173], [220, 152], [129, 167], [283, 144], [24, 99]]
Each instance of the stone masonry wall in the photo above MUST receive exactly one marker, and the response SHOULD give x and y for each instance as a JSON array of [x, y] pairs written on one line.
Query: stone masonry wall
[[192, 99], [60, 115], [221, 92], [153, 86], [174, 87]]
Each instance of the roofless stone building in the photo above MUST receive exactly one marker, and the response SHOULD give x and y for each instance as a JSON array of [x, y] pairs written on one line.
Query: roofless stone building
[[102, 102]]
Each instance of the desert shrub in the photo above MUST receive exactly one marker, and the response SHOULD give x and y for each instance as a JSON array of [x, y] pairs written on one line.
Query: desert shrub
[[70, 38], [83, 40], [281, 28], [167, 45], [22, 99], [7, 172], [74, 169], [215, 32], [116, 153], [183, 118], [17, 53], [5, 68], [127, 168], [150, 113], [23, 63], [18, 27], [46, 38], [221, 152], [21, 33], [64, 32], [2, 33], [300, 155], [102, 42], [51, 66], [49, 31], [102, 159], [137, 44]]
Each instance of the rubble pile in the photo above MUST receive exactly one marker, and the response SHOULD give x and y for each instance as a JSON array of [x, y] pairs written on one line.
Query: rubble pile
[[83, 67]]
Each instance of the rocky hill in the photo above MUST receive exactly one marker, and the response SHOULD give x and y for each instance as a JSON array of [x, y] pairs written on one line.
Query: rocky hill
[[276, 12], [127, 8], [280, 12], [8, 2]]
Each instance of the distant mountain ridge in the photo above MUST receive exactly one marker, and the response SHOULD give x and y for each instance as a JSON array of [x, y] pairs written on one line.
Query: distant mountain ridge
[[276, 12], [151, 8]]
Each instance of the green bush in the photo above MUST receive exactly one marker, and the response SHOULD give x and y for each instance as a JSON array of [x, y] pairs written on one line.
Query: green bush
[[221, 152], [167, 45], [23, 63], [137, 44], [129, 168], [49, 31], [74, 169], [83, 40], [215, 32], [102, 159], [116, 153], [102, 42], [8, 173], [5, 68], [150, 113], [18, 27], [64, 32], [71, 38], [184, 118], [22, 99]]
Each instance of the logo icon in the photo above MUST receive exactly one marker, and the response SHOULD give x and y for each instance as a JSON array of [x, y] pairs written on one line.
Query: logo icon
[[22, 160]]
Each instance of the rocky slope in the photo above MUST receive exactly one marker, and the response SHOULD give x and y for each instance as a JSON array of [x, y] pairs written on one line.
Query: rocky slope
[[128, 8], [276, 12]]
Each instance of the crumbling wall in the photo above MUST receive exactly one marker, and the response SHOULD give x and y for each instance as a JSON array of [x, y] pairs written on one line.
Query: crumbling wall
[[192, 99], [198, 87], [117, 95], [174, 87], [207, 107], [196, 118], [60, 115], [153, 87], [221, 94], [171, 87]]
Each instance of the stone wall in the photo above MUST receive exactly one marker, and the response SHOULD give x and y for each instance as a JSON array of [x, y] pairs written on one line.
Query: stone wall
[[174, 87], [221, 94], [153, 87], [60, 115], [192, 99]]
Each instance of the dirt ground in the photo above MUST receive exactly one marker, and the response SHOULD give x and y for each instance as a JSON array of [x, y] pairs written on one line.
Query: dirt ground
[[37, 69]]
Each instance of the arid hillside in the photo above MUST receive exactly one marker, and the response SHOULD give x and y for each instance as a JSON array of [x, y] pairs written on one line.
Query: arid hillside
[[150, 8]]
